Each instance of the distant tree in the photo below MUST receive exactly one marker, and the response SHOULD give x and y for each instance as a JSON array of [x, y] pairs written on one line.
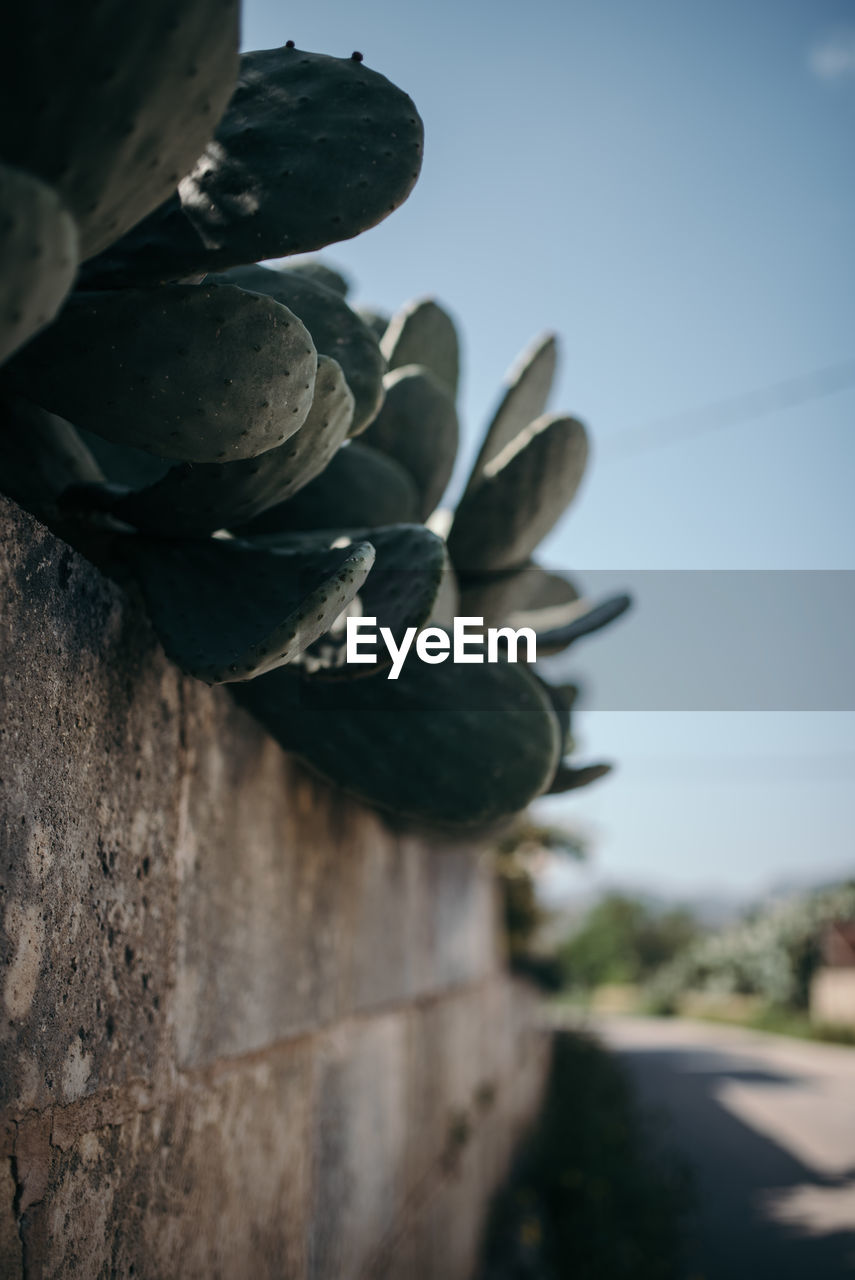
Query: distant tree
[[623, 939], [526, 838], [519, 851], [772, 952]]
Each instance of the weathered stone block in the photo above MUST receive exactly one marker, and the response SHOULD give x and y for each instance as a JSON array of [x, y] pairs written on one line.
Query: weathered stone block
[[247, 1027], [91, 769], [11, 1249], [297, 905], [359, 1143], [215, 1182], [263, 864], [424, 918]]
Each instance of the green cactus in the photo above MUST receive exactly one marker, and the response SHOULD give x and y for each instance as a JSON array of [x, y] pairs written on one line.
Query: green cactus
[[541, 590], [38, 257], [516, 594], [123, 465], [526, 394], [326, 147], [568, 778], [252, 554], [376, 321], [417, 428], [41, 457], [203, 373], [320, 272], [492, 596], [336, 330], [447, 605], [445, 745], [399, 592], [227, 611], [200, 498], [589, 618], [546, 602], [359, 487], [112, 104], [563, 698], [522, 493], [423, 333]]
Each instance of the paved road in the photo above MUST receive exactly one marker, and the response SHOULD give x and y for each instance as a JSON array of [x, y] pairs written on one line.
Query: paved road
[[768, 1125]]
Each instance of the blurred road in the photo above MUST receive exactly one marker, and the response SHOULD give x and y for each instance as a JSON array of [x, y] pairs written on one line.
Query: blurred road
[[768, 1126]]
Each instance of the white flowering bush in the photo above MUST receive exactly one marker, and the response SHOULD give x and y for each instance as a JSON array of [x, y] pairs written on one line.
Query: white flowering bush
[[772, 954]]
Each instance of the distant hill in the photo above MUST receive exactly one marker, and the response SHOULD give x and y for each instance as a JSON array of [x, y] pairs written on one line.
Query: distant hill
[[568, 891]]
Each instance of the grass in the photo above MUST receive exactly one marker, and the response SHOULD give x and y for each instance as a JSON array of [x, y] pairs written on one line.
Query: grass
[[592, 1197], [733, 1011], [781, 1022]]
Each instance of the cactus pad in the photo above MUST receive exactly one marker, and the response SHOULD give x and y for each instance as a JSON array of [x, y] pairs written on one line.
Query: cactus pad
[[200, 498], [417, 428], [311, 150], [336, 330], [38, 257], [544, 593], [376, 321], [445, 745], [399, 592], [522, 494], [562, 698], [112, 103], [527, 387], [204, 373], [570, 778], [41, 456], [359, 487], [588, 619], [447, 605], [124, 466], [314, 269], [516, 594], [424, 333], [227, 611]]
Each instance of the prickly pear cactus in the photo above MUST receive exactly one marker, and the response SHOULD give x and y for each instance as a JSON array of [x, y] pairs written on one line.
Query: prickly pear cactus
[[521, 495], [111, 108], [42, 457], [226, 610], [38, 256], [449, 745], [336, 330], [360, 486], [423, 333], [326, 147], [417, 428], [400, 593], [525, 397], [182, 413], [180, 382], [209, 496], [526, 472]]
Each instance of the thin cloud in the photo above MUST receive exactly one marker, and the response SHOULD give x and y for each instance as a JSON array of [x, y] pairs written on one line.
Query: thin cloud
[[833, 57]]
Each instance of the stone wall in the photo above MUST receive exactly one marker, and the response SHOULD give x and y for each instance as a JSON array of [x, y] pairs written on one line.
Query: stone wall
[[247, 1029]]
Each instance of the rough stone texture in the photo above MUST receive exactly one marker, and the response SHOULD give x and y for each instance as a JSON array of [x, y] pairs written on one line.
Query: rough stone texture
[[213, 1181], [297, 907], [247, 1029], [91, 775]]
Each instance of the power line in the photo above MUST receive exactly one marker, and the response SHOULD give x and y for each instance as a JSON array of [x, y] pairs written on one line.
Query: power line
[[733, 411], [832, 766]]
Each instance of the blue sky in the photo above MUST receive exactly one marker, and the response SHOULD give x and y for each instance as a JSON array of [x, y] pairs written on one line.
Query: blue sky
[[670, 188]]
